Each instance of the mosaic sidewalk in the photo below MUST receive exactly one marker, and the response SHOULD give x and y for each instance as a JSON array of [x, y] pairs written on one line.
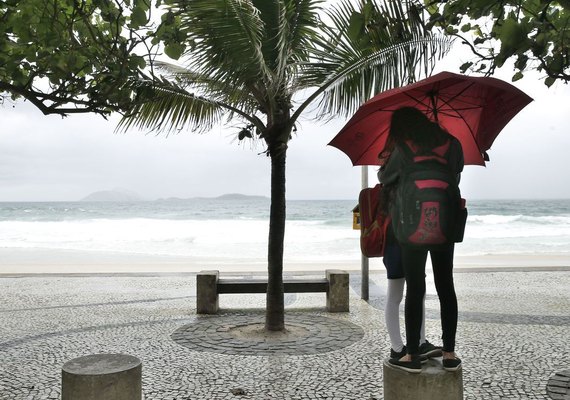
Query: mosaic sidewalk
[[513, 337]]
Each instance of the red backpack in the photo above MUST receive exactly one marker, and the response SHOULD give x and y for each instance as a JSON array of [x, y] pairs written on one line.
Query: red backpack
[[374, 222], [428, 210]]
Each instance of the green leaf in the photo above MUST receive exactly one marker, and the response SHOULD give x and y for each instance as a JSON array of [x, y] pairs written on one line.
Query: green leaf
[[465, 66], [517, 76], [142, 4], [356, 26], [137, 62], [142, 62], [138, 17], [450, 30], [549, 81], [521, 62], [557, 63], [174, 50]]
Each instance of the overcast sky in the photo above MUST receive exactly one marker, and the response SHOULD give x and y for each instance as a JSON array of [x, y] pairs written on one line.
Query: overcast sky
[[47, 158]]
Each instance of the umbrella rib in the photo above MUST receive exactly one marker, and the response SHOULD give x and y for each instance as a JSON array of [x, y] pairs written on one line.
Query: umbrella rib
[[456, 109], [460, 116], [418, 101], [438, 101], [455, 98]]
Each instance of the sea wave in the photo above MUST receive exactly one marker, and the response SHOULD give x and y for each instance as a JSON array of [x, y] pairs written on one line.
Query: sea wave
[[494, 219], [314, 229], [200, 238]]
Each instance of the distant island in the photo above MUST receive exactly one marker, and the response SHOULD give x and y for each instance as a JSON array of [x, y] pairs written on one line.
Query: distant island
[[128, 195], [237, 196], [113, 195], [229, 196]]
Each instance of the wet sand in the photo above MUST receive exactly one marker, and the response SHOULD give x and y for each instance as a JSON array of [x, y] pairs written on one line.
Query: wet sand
[[40, 261]]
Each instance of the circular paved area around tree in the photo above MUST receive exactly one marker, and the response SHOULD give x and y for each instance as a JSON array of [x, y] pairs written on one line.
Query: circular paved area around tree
[[245, 335], [558, 387]]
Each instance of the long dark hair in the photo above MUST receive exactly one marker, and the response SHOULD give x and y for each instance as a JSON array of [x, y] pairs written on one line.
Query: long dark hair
[[410, 124]]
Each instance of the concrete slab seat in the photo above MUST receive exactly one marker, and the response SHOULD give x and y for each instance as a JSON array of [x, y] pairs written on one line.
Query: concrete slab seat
[[209, 286], [433, 383], [102, 377]]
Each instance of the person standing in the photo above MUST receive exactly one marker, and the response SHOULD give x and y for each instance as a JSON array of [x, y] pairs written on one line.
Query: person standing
[[411, 132], [392, 260]]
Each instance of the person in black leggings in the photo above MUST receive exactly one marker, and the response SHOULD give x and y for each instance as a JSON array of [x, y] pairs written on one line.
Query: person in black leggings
[[410, 127], [415, 264]]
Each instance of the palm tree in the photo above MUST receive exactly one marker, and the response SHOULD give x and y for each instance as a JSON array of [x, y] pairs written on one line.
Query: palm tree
[[263, 62]]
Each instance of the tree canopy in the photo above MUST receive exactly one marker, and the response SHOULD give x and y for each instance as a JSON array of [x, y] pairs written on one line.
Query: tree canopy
[[69, 56], [535, 34]]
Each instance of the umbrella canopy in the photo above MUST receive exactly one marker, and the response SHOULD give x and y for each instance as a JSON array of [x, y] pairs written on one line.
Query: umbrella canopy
[[473, 109]]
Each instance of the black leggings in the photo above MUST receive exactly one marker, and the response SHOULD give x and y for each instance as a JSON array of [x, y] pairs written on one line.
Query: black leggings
[[414, 262]]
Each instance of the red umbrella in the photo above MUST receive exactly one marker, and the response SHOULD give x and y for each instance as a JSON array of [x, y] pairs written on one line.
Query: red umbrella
[[473, 109]]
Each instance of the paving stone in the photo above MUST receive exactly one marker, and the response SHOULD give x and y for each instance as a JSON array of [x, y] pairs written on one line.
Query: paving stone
[[512, 337]]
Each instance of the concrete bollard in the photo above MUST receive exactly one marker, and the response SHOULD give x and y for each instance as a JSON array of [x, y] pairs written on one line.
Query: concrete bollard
[[207, 298], [338, 292], [433, 383], [102, 377]]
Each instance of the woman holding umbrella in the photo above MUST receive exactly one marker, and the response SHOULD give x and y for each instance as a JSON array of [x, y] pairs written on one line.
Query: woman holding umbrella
[[412, 133], [474, 110]]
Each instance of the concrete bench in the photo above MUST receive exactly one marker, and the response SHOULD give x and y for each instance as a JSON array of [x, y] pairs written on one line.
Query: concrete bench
[[209, 286]]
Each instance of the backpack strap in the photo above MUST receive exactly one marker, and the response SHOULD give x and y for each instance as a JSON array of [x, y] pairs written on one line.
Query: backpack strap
[[437, 154]]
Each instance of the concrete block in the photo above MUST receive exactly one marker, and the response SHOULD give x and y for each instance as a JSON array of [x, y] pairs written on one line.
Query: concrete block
[[433, 383], [102, 377], [337, 294], [207, 299]]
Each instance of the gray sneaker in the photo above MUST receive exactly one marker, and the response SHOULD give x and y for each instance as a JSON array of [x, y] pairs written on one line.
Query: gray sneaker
[[428, 350]]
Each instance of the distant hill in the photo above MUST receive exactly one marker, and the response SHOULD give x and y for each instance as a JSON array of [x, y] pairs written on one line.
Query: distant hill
[[229, 196], [113, 195], [237, 196]]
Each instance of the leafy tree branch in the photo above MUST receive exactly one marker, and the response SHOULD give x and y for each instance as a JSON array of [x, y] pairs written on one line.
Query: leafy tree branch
[[535, 34], [69, 56]]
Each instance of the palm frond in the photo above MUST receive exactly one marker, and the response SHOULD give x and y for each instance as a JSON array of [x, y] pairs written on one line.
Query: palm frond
[[163, 107], [397, 65], [224, 92], [247, 58], [226, 37], [366, 50], [297, 30]]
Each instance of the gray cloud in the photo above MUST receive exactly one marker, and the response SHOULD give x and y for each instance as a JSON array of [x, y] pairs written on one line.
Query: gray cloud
[[49, 158]]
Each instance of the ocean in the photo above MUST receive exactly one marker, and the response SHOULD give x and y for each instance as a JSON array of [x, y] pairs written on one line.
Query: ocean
[[237, 229]]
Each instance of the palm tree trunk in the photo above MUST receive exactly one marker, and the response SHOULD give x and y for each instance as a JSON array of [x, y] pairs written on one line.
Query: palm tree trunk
[[275, 309]]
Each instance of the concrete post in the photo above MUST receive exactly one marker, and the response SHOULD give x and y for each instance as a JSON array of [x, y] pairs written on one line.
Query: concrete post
[[337, 295], [433, 383], [364, 261], [102, 377], [207, 299]]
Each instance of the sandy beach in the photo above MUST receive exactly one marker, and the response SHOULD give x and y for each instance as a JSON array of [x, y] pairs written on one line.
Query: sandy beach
[[39, 261]]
